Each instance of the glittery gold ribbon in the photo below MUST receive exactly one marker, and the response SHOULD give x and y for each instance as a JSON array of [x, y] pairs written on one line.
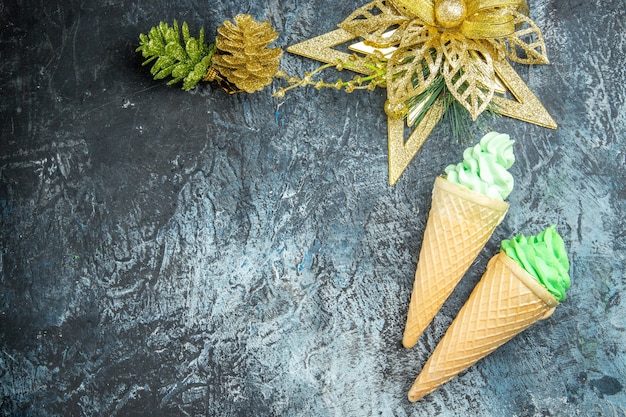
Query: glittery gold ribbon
[[482, 18], [485, 18]]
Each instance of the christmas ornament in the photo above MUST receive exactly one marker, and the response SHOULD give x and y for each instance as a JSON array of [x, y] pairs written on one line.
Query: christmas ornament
[[432, 56]]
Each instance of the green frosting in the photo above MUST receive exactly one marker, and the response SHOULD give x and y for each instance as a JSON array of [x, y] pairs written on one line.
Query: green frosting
[[484, 167], [544, 257]]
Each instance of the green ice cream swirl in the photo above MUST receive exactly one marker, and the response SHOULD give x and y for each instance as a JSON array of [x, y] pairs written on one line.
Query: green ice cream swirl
[[484, 167], [544, 257]]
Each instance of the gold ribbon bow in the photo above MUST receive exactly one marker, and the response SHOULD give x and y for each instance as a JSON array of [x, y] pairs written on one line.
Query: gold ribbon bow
[[476, 19]]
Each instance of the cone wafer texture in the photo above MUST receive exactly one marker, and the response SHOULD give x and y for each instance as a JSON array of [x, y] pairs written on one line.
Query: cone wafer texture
[[506, 301], [459, 225]]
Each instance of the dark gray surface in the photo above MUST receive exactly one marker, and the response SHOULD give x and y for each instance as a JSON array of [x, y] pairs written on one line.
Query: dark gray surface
[[173, 253]]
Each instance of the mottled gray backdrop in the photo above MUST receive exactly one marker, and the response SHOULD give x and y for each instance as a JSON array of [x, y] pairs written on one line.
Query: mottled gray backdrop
[[198, 254]]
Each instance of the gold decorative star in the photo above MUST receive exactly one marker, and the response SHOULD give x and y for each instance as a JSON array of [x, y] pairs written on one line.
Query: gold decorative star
[[465, 44]]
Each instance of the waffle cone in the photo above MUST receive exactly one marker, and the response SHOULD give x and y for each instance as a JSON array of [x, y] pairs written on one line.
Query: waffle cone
[[459, 225], [506, 301]]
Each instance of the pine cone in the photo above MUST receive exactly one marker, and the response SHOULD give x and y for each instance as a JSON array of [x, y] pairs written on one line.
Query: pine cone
[[242, 56]]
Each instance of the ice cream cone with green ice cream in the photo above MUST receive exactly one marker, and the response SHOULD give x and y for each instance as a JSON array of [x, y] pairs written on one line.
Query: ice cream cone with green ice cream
[[467, 205], [522, 284]]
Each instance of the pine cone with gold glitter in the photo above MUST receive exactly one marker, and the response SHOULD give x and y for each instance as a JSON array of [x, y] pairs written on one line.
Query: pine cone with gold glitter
[[242, 56]]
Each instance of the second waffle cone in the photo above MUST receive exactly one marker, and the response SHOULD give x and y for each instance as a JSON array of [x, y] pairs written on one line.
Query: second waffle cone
[[506, 301]]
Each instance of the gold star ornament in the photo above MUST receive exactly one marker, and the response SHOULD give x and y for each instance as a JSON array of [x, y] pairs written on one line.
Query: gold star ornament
[[431, 54]]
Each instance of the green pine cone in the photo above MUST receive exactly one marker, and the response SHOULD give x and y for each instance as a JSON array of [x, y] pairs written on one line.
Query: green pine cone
[[187, 59]]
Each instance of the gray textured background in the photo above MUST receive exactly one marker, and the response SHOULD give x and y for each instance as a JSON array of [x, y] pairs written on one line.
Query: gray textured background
[[175, 253]]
